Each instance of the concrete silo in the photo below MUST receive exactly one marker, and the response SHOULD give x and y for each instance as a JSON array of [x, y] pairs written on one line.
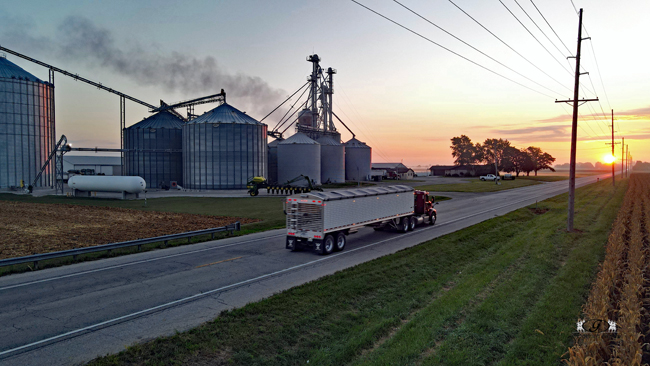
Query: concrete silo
[[161, 131], [332, 160], [26, 127], [222, 149], [299, 155], [357, 160]]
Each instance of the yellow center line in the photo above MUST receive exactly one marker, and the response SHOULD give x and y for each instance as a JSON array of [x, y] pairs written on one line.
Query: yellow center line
[[225, 260]]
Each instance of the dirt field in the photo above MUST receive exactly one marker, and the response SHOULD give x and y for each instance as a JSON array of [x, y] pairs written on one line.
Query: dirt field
[[31, 228]]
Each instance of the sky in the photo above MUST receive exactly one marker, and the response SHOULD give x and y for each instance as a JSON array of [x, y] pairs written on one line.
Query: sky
[[400, 93]]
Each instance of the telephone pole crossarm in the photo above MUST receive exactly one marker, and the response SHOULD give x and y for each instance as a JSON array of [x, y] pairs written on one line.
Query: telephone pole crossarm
[[581, 101]]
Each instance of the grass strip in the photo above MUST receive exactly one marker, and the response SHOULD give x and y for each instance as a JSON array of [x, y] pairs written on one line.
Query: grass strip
[[476, 296]]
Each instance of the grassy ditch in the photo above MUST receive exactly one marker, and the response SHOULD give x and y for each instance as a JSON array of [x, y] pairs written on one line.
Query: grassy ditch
[[503, 292], [477, 185]]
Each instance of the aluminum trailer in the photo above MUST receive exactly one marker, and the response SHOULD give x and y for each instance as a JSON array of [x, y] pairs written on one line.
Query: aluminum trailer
[[322, 220]]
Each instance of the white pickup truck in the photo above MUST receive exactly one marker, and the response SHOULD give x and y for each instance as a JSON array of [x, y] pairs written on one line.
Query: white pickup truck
[[491, 177]]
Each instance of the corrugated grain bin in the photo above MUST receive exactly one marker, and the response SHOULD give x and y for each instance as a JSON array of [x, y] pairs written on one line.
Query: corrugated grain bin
[[332, 160], [298, 155], [273, 161], [161, 131], [357, 160], [222, 149], [27, 133]]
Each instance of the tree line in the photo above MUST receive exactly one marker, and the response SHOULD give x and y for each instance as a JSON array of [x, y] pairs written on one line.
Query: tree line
[[508, 158]]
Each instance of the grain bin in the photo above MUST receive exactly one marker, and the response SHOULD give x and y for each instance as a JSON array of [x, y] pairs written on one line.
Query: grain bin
[[222, 149], [332, 160], [357, 160], [161, 131], [26, 127], [273, 161], [298, 155]]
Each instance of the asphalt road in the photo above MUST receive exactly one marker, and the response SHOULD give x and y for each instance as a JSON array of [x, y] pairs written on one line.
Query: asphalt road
[[72, 314]]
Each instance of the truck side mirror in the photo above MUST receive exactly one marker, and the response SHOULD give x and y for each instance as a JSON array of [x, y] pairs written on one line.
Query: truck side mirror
[[432, 199]]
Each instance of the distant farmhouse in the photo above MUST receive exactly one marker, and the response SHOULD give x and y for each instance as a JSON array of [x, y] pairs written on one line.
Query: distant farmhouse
[[461, 170], [393, 170]]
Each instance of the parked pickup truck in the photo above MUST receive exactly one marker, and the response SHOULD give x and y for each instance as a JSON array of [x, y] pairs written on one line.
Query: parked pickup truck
[[322, 220], [489, 177]]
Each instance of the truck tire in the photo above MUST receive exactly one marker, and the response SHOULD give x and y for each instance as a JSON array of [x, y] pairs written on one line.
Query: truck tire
[[254, 193], [412, 223], [432, 218], [292, 244], [328, 245], [341, 240], [404, 224]]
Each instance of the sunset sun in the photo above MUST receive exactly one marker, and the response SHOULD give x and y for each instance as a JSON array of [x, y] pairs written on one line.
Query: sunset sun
[[608, 159]]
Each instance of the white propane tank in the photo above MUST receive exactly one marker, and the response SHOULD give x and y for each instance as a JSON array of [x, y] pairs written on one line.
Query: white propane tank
[[103, 183]]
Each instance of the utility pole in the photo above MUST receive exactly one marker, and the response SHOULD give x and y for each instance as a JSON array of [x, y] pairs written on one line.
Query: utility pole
[[613, 161], [623, 157], [627, 161], [574, 127]]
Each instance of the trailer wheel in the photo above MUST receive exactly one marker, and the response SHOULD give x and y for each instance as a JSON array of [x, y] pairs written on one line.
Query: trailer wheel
[[404, 224], [341, 240], [412, 223], [328, 244], [292, 244], [432, 218], [254, 193]]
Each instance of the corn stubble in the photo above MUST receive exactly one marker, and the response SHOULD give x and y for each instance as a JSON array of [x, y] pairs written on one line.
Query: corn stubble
[[621, 291]]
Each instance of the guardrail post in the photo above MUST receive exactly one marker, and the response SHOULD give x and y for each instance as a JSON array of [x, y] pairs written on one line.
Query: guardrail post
[[108, 251], [212, 236], [35, 264], [139, 247], [165, 244], [74, 257], [189, 238]]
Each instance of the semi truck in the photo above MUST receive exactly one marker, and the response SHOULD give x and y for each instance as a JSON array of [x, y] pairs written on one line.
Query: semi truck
[[323, 220]]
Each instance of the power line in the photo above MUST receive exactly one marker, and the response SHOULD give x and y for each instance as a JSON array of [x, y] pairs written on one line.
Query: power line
[[474, 48], [448, 50], [540, 29], [507, 45], [549, 25], [529, 32]]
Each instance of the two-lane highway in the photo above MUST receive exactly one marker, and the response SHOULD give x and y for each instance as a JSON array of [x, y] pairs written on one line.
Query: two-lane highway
[[69, 315]]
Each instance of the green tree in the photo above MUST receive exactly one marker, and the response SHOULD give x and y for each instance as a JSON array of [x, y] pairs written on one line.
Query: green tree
[[464, 151], [498, 147], [540, 159]]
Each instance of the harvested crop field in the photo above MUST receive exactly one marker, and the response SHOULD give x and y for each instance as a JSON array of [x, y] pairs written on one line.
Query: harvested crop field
[[30, 228]]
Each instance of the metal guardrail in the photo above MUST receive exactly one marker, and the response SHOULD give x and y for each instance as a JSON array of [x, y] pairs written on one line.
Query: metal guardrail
[[124, 244]]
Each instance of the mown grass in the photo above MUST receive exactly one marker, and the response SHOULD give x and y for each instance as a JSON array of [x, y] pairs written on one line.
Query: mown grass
[[476, 185], [267, 209], [504, 292]]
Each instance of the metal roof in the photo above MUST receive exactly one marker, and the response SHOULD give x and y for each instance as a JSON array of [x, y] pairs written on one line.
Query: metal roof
[[299, 139], [10, 70], [388, 166], [225, 113], [274, 143], [356, 143], [326, 140], [163, 119], [359, 192], [92, 160]]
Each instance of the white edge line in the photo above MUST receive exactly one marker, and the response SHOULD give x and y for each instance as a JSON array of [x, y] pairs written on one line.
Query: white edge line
[[202, 294], [133, 263]]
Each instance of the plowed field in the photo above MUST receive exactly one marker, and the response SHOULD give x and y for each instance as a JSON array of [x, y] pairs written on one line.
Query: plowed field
[[30, 228]]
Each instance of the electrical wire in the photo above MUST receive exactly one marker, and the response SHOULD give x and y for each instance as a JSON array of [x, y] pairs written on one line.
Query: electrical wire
[[474, 48], [448, 50], [549, 25], [529, 32], [291, 96], [507, 45], [540, 29]]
